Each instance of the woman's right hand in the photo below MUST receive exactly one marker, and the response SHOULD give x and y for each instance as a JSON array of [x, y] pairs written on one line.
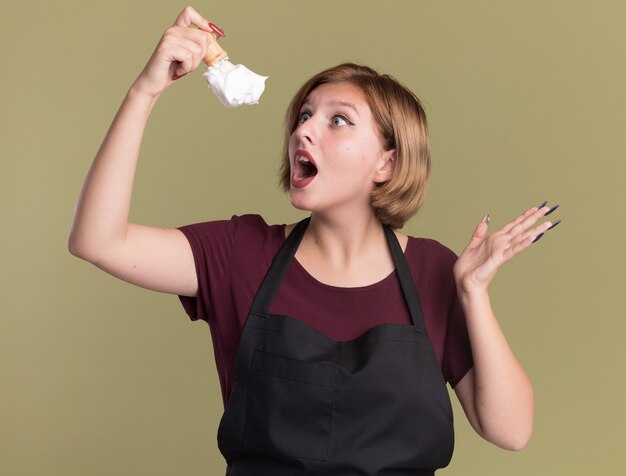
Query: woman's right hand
[[180, 50]]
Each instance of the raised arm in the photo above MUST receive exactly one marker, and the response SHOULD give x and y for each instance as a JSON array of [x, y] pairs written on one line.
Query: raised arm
[[151, 257], [496, 394]]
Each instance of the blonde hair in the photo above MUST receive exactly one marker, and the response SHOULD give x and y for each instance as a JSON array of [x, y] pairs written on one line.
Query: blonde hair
[[402, 126]]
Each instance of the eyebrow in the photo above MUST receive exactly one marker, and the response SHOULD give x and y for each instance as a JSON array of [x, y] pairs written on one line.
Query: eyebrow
[[337, 102]]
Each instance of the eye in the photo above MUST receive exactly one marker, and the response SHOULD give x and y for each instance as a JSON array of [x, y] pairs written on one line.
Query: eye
[[340, 121], [303, 117]]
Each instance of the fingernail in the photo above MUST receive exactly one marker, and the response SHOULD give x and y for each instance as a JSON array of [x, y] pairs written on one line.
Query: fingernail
[[551, 210], [543, 204], [486, 218], [554, 224], [217, 30], [538, 237], [175, 77]]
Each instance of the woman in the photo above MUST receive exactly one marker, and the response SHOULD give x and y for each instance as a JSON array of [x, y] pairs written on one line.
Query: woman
[[355, 384]]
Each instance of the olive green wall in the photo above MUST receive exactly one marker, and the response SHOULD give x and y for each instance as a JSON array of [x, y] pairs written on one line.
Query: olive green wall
[[525, 101]]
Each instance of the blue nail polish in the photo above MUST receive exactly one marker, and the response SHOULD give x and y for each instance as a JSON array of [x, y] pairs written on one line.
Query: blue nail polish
[[551, 210], [538, 237], [554, 224], [543, 204]]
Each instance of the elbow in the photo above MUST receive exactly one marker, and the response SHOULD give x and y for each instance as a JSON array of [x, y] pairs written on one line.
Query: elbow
[[514, 438], [518, 442], [93, 251], [73, 246], [92, 245], [510, 433], [78, 249], [523, 430], [515, 426]]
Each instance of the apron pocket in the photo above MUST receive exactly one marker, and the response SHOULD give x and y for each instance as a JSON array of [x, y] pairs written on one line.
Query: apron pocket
[[289, 406]]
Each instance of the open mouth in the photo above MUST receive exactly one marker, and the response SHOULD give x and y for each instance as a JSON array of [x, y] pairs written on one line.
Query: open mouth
[[304, 167]]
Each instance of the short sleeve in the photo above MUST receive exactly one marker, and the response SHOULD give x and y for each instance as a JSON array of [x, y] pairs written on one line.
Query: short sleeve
[[432, 267], [457, 355], [212, 244]]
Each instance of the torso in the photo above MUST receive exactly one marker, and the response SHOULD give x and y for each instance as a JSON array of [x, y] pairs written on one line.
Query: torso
[[240, 251]]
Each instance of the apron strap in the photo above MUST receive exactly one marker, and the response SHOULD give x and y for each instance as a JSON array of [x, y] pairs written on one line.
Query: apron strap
[[266, 292], [406, 280]]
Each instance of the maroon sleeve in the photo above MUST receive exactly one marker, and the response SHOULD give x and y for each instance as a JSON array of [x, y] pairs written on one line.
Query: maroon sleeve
[[212, 244], [432, 266], [457, 354]]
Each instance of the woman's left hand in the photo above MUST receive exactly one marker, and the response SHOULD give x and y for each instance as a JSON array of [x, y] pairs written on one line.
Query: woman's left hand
[[479, 261]]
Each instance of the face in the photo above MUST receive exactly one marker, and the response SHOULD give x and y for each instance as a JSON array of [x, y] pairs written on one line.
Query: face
[[336, 154]]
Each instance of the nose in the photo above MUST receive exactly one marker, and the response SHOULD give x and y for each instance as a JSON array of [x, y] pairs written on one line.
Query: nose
[[306, 132]]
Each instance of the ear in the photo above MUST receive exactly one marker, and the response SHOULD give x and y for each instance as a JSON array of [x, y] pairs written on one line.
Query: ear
[[386, 166]]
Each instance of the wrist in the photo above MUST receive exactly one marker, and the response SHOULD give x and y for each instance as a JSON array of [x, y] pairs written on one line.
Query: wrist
[[470, 295], [138, 100], [137, 92]]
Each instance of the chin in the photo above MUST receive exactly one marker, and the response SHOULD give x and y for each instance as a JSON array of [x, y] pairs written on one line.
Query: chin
[[301, 201], [299, 204]]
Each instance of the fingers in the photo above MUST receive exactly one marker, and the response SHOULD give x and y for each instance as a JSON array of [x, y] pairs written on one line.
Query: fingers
[[197, 38], [524, 239], [517, 248], [541, 234], [524, 225], [532, 235], [519, 234], [479, 232], [179, 51], [520, 243], [520, 219], [189, 17], [527, 219], [187, 46]]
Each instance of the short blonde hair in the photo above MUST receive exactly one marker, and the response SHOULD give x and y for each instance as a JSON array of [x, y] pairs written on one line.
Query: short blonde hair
[[402, 126]]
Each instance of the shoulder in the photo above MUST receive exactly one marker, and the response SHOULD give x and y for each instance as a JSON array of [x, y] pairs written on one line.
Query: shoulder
[[248, 223], [431, 247], [254, 231], [430, 254], [255, 225], [244, 230]]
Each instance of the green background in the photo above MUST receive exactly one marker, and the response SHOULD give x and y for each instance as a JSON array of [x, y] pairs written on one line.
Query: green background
[[525, 103]]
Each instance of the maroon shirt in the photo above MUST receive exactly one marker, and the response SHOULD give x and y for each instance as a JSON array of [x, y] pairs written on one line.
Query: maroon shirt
[[232, 257]]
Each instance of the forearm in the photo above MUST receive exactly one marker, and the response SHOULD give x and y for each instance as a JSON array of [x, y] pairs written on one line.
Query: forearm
[[502, 394], [101, 214]]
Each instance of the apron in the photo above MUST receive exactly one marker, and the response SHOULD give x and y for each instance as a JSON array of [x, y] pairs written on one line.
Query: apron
[[304, 404]]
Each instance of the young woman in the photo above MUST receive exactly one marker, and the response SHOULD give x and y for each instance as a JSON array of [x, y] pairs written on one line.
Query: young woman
[[334, 337]]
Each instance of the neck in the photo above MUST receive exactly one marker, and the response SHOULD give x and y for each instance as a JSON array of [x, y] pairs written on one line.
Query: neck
[[343, 239]]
